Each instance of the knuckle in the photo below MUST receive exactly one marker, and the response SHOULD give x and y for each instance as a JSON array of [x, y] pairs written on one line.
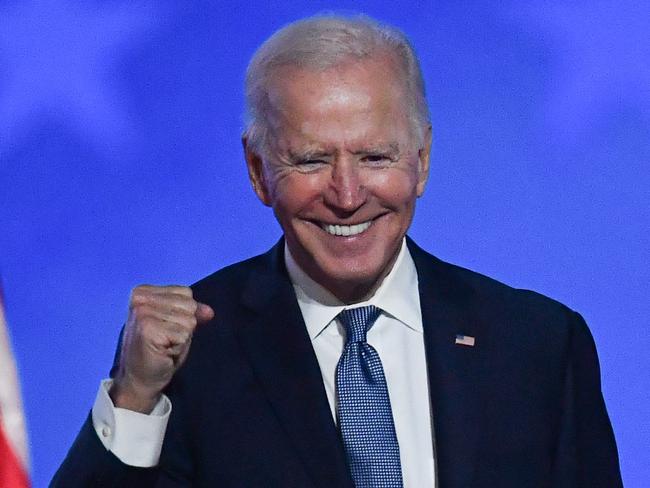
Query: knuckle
[[183, 306], [142, 289], [179, 290], [140, 311], [193, 306], [140, 295], [191, 322], [136, 299], [186, 325], [175, 307]]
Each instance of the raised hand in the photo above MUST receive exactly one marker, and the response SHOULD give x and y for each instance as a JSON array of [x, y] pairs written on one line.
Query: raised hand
[[156, 340]]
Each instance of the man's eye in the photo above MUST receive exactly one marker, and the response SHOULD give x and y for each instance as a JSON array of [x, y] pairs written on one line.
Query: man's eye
[[310, 163], [376, 159]]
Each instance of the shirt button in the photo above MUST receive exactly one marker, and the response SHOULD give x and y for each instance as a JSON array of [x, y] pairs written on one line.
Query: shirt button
[[106, 431]]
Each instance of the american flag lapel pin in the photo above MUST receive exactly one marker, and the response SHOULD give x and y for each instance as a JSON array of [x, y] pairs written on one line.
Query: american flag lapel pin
[[465, 340]]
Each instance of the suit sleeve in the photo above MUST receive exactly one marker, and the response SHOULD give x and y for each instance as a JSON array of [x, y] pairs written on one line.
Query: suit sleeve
[[89, 464], [586, 456]]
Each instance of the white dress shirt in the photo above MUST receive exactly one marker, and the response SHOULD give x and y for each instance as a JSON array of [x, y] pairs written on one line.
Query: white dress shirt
[[397, 335], [398, 338]]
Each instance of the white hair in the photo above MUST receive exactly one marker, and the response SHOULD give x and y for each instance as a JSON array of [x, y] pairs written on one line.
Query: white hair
[[322, 42]]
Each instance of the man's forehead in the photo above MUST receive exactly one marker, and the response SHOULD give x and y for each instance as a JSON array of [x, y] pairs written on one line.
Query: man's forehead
[[357, 107]]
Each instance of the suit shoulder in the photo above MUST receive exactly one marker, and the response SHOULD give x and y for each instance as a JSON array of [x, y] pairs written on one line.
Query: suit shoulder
[[539, 325], [474, 290], [492, 288]]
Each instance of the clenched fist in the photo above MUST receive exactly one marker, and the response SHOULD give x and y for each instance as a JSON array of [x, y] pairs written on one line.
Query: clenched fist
[[156, 340]]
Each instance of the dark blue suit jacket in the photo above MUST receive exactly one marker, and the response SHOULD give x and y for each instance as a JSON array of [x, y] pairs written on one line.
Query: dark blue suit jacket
[[522, 408]]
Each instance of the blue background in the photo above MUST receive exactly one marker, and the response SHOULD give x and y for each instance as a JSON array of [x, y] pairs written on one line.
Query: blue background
[[121, 164]]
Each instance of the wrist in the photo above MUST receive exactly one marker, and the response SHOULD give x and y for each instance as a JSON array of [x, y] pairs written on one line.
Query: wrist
[[130, 396]]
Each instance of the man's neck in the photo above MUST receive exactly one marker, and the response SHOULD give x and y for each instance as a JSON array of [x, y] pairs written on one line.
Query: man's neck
[[345, 292]]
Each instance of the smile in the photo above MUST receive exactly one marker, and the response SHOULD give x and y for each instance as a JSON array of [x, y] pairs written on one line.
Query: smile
[[346, 230]]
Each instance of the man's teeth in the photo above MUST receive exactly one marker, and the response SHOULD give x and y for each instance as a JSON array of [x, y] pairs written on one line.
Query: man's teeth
[[345, 230]]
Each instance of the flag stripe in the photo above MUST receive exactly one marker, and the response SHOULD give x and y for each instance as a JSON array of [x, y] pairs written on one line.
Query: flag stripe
[[12, 473], [13, 441]]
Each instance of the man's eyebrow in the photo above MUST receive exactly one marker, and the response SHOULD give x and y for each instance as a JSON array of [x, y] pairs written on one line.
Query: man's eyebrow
[[307, 154], [391, 149]]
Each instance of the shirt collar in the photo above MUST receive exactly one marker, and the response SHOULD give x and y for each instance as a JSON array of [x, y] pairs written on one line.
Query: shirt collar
[[398, 295]]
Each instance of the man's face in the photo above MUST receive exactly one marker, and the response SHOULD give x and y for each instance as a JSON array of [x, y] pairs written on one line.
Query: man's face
[[342, 170]]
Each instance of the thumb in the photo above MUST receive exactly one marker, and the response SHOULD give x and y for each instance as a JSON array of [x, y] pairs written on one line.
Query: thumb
[[204, 313]]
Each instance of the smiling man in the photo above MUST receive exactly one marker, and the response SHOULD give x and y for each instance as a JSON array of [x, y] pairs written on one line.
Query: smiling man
[[342, 167], [346, 355]]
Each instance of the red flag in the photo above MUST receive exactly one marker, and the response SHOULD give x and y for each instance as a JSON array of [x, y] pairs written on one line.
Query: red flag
[[13, 440]]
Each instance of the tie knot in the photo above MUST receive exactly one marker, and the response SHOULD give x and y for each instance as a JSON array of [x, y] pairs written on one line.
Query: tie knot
[[357, 322]]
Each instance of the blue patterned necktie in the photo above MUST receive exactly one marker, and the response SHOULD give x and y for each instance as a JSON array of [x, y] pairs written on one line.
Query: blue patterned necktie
[[365, 416]]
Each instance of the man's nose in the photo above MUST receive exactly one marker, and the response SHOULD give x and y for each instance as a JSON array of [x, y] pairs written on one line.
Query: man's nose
[[346, 190]]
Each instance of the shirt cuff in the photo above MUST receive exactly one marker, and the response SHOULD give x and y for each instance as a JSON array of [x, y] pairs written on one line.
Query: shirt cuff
[[135, 438]]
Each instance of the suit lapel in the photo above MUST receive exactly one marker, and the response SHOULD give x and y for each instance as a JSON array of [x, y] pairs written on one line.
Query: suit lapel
[[455, 371], [278, 346]]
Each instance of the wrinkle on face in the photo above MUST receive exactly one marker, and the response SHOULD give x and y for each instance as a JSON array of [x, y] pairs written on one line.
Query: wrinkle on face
[[328, 132], [342, 151]]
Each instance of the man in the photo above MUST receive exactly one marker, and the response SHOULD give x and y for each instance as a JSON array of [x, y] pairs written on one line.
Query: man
[[345, 356]]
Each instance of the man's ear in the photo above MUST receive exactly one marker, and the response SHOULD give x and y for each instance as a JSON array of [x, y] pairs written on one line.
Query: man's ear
[[423, 161], [255, 167]]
